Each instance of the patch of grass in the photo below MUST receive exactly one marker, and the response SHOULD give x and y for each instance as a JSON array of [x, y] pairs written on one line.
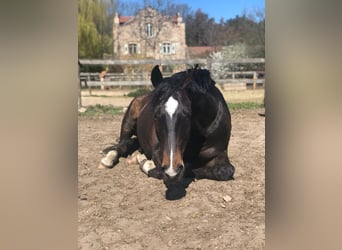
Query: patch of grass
[[244, 105], [101, 110], [111, 110], [138, 92]]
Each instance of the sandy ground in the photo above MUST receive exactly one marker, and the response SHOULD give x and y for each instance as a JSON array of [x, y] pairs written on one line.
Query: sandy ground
[[121, 208]]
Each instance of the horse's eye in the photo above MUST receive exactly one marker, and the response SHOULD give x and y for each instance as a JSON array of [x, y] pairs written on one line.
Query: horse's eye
[[187, 113]]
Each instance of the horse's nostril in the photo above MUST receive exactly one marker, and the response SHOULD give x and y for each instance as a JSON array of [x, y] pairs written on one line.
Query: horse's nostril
[[173, 171], [179, 167]]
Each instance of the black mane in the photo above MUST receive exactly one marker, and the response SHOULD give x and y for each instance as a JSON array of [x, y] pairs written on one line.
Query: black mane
[[202, 82], [193, 80]]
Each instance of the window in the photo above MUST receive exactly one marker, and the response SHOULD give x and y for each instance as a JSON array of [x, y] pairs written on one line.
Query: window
[[132, 48], [166, 48], [149, 30], [167, 68]]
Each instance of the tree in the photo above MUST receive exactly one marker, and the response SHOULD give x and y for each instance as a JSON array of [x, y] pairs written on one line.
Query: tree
[[220, 69], [257, 47], [249, 29], [200, 29], [94, 28]]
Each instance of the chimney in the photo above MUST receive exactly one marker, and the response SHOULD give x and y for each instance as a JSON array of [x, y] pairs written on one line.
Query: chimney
[[116, 18], [179, 19]]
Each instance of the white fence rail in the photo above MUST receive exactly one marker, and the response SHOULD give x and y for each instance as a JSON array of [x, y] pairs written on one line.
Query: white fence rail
[[233, 80]]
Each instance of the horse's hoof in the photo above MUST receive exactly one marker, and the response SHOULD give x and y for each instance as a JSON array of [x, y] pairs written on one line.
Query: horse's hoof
[[147, 166], [101, 166], [133, 158], [108, 160], [131, 161], [141, 158]]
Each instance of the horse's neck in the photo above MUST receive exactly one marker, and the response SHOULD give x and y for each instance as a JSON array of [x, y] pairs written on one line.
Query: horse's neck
[[204, 109]]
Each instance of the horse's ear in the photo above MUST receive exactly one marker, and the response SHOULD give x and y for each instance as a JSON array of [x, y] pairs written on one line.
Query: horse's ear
[[156, 76]]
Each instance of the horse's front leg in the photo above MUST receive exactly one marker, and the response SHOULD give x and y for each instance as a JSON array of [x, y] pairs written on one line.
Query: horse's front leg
[[123, 149], [148, 167], [127, 145], [219, 169], [219, 173]]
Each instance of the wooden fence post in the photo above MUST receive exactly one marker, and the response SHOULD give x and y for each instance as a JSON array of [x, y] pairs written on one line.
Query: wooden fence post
[[255, 77], [89, 87]]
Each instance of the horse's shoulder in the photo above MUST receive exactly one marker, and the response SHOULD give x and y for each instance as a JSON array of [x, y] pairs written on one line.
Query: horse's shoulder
[[138, 104]]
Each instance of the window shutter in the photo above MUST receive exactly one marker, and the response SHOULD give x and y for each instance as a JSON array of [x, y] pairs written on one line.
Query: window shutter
[[161, 48], [125, 49], [173, 48], [138, 48]]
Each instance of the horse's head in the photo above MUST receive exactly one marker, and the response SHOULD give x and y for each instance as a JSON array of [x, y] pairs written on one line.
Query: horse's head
[[172, 114]]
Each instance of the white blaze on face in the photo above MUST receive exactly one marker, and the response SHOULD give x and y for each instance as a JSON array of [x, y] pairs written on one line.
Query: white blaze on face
[[170, 170], [170, 107]]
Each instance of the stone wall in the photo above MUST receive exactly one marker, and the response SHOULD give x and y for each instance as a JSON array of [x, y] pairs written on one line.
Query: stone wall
[[166, 39]]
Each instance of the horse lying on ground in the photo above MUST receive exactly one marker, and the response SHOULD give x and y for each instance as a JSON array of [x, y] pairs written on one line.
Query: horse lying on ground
[[182, 128]]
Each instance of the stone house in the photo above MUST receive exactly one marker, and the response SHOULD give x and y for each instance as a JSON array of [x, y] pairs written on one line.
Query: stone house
[[149, 35]]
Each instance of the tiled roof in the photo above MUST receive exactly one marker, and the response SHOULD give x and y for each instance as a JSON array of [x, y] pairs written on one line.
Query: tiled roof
[[123, 19]]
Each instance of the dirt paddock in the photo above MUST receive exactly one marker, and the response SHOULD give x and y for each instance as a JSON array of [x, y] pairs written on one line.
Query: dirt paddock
[[121, 208]]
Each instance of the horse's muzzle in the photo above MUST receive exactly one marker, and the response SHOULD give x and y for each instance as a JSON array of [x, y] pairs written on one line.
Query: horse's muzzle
[[174, 173]]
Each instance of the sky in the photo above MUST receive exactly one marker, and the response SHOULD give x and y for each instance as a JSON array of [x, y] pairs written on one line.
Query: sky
[[226, 9]]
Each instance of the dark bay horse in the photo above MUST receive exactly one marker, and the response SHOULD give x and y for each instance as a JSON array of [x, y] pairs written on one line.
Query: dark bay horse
[[182, 128]]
